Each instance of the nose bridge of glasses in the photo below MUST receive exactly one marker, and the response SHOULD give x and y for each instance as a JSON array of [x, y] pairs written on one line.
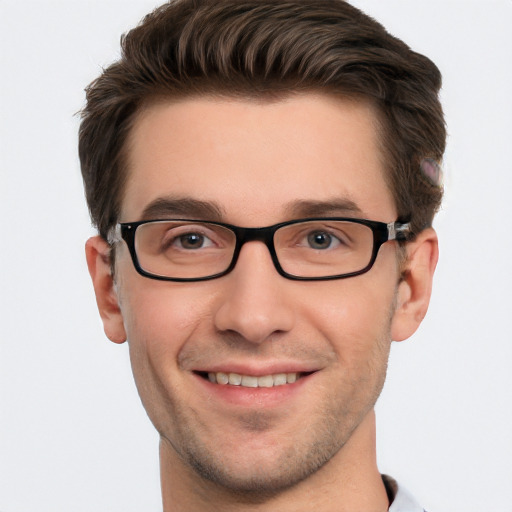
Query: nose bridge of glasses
[[264, 235]]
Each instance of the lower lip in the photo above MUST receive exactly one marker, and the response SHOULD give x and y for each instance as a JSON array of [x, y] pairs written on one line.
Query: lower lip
[[253, 397]]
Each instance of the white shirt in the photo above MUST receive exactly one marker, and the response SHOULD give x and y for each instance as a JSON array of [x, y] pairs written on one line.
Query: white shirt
[[402, 500]]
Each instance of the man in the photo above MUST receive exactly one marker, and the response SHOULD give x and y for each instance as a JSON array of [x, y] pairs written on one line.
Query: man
[[263, 176]]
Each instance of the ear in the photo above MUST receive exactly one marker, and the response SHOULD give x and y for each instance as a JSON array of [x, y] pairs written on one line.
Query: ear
[[414, 290], [97, 252]]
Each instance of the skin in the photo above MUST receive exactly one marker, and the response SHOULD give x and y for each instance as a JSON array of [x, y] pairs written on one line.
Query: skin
[[299, 447]]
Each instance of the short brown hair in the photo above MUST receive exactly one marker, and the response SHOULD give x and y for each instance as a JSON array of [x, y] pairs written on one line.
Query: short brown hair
[[266, 49]]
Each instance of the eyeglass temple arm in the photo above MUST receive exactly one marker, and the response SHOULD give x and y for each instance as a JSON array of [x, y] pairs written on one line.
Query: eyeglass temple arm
[[114, 234], [398, 231]]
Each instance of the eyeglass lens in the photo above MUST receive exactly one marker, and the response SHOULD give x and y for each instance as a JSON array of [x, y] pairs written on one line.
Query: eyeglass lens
[[192, 250]]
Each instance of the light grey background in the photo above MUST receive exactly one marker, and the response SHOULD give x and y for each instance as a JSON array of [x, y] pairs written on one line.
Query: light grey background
[[73, 436]]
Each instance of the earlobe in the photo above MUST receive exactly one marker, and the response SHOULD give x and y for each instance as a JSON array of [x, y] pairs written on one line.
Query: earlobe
[[413, 295], [98, 261]]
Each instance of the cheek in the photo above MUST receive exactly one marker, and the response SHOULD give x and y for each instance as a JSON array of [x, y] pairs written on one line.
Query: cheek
[[161, 316], [354, 315]]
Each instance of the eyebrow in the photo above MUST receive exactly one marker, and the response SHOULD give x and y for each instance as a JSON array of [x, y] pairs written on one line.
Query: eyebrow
[[333, 207], [186, 207]]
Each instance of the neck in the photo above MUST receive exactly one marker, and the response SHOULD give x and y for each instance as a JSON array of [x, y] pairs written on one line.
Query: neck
[[350, 480]]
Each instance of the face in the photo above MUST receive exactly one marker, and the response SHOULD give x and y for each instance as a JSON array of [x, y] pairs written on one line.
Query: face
[[255, 164]]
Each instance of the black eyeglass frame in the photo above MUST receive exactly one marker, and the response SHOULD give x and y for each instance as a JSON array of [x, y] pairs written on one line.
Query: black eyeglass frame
[[382, 233]]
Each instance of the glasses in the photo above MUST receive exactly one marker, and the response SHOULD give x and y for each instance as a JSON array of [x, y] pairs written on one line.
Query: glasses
[[306, 249]]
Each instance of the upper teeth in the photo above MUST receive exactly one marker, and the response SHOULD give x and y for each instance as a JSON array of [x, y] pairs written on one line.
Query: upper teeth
[[250, 381]]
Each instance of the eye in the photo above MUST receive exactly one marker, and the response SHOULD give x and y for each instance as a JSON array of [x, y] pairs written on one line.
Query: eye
[[191, 241], [187, 237], [322, 240]]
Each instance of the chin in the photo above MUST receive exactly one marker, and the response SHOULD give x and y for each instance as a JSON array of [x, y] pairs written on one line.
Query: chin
[[254, 484], [257, 475]]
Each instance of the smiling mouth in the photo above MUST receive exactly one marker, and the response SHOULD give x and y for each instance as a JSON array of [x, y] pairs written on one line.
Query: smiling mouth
[[252, 381]]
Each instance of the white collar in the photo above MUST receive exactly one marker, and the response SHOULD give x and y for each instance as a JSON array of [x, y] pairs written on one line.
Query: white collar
[[403, 500]]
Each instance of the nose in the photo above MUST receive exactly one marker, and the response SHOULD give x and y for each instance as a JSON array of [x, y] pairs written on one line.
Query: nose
[[256, 301]]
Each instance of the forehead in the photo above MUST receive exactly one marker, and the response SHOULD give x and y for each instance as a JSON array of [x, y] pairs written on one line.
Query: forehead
[[254, 161]]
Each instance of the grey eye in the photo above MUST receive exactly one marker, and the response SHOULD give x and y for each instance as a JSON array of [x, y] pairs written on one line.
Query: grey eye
[[320, 240]]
